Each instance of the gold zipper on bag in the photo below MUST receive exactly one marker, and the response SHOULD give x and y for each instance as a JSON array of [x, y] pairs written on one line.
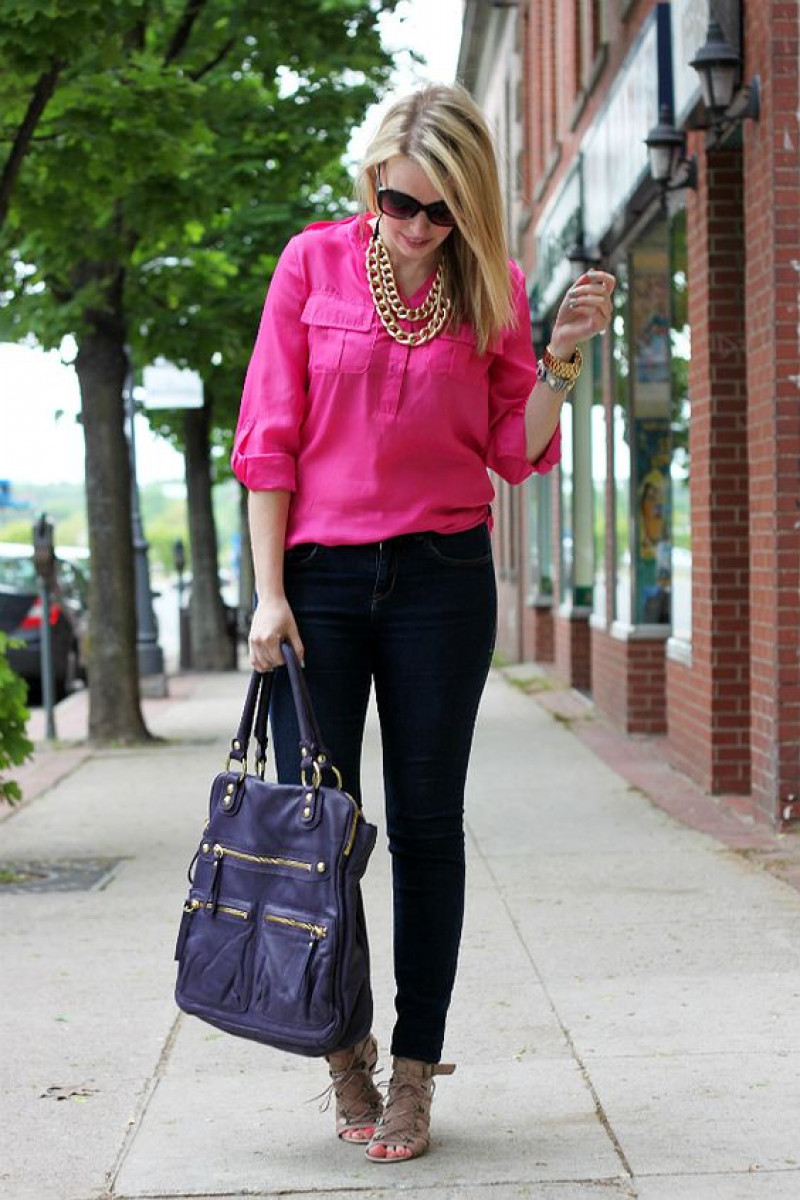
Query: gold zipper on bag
[[351, 839], [263, 860], [318, 931], [194, 905]]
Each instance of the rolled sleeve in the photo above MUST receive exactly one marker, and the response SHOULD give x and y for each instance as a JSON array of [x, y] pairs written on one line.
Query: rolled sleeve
[[512, 378], [274, 398]]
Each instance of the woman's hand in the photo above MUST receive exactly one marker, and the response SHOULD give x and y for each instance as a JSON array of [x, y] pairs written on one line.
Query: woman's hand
[[273, 622], [585, 310]]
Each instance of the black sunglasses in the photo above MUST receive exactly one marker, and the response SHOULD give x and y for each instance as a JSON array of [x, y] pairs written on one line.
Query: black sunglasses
[[404, 208]]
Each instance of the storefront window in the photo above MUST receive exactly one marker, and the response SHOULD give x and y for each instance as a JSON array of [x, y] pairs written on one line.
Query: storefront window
[[565, 478], [681, 345], [651, 435], [599, 473], [621, 448]]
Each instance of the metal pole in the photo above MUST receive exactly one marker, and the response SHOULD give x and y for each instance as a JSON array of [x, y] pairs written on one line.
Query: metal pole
[[48, 690], [44, 561], [149, 654]]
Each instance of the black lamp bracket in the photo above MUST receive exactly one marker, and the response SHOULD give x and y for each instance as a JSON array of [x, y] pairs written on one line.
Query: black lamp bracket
[[745, 106]]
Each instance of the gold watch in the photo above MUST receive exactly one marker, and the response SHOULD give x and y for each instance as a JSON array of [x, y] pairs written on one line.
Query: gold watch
[[560, 376]]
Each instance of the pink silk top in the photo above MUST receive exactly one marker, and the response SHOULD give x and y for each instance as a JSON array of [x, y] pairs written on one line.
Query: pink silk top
[[373, 438]]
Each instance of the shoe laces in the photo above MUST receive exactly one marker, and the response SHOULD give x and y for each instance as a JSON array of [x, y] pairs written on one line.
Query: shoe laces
[[340, 1081], [405, 1100]]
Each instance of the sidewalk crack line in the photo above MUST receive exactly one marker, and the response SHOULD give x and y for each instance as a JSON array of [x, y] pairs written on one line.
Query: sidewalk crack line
[[149, 1092], [602, 1116]]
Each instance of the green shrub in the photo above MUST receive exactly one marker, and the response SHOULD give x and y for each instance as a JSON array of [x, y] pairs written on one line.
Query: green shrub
[[14, 745]]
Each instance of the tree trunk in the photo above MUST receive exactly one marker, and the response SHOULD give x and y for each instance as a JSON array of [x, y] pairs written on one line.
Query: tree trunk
[[114, 712], [211, 647], [247, 578]]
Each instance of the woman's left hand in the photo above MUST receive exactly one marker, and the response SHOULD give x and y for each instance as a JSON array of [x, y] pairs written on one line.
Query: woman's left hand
[[585, 310]]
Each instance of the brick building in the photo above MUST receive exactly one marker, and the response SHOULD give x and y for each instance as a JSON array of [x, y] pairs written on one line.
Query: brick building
[[659, 568]]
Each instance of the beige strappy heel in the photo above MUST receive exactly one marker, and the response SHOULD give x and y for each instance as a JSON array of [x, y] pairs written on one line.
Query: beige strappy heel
[[406, 1121], [359, 1104]]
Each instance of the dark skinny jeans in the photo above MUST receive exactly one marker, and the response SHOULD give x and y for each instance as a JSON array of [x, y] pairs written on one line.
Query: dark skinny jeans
[[416, 614]]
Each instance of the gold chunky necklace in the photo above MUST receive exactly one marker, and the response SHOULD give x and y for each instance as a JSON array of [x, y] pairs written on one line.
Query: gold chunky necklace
[[382, 284]]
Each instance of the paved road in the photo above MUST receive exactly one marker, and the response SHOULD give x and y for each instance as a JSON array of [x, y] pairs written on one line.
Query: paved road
[[626, 1021]]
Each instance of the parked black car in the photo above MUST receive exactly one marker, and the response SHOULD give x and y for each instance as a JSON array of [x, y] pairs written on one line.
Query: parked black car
[[69, 609]]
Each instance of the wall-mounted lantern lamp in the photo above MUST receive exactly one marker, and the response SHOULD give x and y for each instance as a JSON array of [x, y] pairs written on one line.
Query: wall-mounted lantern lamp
[[669, 166], [583, 257], [719, 67]]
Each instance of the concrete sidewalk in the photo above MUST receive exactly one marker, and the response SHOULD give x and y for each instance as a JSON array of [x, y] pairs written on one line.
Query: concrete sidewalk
[[626, 1019]]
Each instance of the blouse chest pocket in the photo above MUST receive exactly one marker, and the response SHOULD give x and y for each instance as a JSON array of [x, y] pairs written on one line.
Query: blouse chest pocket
[[341, 334], [453, 353]]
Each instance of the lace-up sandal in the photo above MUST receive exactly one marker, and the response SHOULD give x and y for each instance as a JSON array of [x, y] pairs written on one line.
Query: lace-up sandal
[[404, 1130], [359, 1104]]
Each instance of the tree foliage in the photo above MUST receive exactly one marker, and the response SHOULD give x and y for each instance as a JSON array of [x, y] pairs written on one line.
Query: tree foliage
[[168, 127], [14, 745], [179, 143]]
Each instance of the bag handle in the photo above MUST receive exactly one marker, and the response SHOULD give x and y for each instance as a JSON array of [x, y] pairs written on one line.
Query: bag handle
[[314, 755], [260, 728], [256, 706]]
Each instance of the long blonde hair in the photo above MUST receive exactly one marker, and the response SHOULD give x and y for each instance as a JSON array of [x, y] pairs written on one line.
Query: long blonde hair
[[442, 130]]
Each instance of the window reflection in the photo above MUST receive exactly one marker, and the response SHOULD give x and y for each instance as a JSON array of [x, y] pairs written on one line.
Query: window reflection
[[621, 447], [599, 475], [566, 571], [681, 349]]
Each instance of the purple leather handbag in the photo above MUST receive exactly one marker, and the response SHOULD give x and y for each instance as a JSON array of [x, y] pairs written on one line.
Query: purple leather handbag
[[273, 940]]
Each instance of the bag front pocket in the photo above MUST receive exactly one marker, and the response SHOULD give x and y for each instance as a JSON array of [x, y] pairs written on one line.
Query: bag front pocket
[[294, 970], [216, 954]]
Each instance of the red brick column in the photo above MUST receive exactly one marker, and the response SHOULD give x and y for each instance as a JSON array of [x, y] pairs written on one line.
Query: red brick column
[[772, 207], [538, 644], [708, 702], [572, 647]]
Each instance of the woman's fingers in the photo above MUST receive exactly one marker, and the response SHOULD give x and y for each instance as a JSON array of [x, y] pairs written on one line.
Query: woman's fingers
[[589, 300], [591, 304], [597, 278], [265, 651], [273, 623]]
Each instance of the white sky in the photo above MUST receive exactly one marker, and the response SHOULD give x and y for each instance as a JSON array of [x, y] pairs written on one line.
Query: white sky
[[39, 446]]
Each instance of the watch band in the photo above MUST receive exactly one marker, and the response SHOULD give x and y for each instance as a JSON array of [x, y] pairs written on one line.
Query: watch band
[[556, 383], [560, 368]]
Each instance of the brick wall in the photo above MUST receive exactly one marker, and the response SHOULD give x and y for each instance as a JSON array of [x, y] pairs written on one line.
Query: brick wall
[[572, 649], [628, 681], [552, 71], [538, 637], [772, 198], [609, 676], [708, 703], [734, 712]]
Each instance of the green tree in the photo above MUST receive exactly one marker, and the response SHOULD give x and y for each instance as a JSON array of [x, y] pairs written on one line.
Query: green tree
[[170, 115], [14, 745], [202, 312]]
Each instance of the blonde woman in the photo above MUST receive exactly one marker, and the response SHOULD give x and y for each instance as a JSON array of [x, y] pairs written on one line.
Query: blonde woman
[[393, 368]]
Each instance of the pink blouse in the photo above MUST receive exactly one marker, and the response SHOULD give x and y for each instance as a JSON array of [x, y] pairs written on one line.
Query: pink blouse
[[376, 439]]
